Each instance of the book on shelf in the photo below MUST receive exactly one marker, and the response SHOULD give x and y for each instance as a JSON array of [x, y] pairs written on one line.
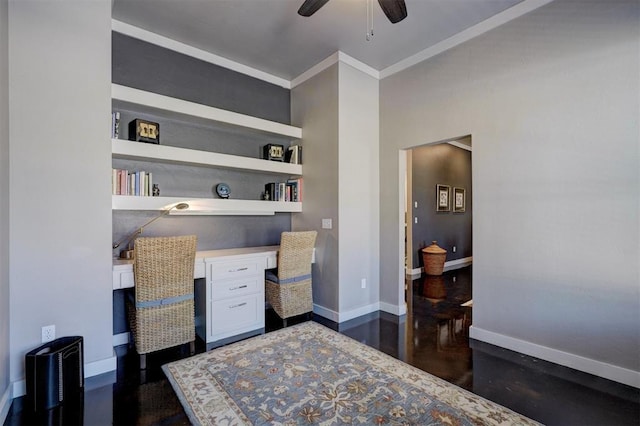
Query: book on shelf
[[291, 190], [115, 124], [124, 182]]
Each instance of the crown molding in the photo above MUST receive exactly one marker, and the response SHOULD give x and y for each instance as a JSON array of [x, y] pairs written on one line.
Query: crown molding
[[493, 22], [158, 40], [513, 12], [331, 60]]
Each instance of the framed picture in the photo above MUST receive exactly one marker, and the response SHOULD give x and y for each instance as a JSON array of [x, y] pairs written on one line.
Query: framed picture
[[442, 198], [459, 201]]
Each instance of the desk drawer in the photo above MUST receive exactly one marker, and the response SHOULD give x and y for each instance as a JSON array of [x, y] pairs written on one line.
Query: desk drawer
[[122, 279], [237, 268], [239, 313], [238, 287]]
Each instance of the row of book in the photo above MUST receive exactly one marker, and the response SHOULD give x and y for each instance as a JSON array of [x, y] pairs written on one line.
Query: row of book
[[125, 182], [290, 190], [115, 125]]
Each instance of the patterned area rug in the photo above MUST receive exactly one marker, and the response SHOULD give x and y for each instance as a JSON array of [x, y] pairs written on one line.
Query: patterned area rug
[[309, 374]]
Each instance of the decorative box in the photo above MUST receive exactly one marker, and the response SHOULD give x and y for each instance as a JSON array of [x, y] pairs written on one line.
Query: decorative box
[[144, 131], [273, 152]]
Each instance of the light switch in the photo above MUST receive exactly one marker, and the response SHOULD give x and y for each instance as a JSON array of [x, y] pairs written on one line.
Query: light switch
[[326, 224]]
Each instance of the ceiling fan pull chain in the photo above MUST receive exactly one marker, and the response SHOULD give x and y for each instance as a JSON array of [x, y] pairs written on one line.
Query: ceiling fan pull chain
[[369, 4]]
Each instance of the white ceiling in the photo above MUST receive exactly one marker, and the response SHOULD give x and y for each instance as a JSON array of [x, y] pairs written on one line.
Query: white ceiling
[[270, 36]]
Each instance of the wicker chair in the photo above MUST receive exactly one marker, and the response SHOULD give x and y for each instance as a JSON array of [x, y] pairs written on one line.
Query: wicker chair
[[288, 290], [161, 314]]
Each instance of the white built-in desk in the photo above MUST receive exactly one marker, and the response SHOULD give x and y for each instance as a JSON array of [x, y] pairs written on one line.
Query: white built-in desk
[[123, 268], [230, 302]]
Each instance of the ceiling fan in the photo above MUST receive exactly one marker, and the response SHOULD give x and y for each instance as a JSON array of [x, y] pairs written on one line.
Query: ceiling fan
[[396, 10]]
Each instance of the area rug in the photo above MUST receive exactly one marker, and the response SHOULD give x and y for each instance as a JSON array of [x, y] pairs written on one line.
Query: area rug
[[309, 374]]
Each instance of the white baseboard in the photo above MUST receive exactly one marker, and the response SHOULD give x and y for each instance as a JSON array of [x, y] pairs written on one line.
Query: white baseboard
[[325, 312], [5, 404], [99, 367], [90, 369], [358, 312], [341, 317], [414, 272], [458, 263], [577, 362], [394, 309], [448, 266]]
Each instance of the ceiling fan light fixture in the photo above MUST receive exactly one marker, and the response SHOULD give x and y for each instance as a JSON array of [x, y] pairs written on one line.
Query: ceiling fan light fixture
[[309, 7], [396, 10]]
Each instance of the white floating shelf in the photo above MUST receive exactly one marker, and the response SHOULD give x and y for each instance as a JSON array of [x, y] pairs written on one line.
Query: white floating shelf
[[151, 152], [205, 206], [154, 103]]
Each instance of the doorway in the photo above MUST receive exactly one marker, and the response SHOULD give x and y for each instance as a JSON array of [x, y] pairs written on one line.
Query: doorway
[[437, 205]]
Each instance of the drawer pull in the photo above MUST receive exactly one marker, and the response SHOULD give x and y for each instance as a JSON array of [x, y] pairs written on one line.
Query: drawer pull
[[238, 305], [238, 270], [238, 287]]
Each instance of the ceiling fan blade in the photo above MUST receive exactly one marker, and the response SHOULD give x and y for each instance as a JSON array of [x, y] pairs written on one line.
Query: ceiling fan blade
[[309, 7], [396, 10]]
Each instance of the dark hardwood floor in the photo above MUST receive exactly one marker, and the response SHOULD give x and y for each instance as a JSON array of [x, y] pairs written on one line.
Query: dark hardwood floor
[[433, 337]]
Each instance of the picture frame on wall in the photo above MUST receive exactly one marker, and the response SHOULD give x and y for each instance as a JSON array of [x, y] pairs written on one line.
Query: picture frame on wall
[[459, 200], [442, 198]]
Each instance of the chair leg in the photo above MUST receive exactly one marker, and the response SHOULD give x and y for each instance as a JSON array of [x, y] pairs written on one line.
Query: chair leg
[[192, 347], [143, 361]]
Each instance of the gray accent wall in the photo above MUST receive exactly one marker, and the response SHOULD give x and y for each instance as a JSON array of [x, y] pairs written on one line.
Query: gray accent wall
[[156, 69], [148, 67], [551, 102], [443, 164], [4, 209], [60, 201]]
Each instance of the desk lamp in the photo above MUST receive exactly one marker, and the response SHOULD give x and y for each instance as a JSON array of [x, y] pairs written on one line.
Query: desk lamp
[[128, 253]]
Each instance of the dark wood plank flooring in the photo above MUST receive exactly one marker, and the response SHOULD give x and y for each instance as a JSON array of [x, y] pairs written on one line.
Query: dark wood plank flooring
[[433, 336]]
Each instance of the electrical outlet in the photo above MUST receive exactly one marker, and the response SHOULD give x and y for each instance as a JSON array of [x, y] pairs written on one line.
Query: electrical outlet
[[454, 249], [48, 333], [363, 283]]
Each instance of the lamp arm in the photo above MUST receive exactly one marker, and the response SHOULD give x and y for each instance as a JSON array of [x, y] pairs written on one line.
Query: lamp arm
[[138, 231]]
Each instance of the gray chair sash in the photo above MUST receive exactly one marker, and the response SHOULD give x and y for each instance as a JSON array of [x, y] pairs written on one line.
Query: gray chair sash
[[273, 278]]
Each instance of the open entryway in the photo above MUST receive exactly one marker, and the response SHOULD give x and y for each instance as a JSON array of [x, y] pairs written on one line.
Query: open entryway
[[438, 202]]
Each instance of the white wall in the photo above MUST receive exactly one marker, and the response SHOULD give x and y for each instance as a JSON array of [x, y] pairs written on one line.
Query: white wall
[[314, 107], [551, 102], [4, 209], [358, 197], [60, 215]]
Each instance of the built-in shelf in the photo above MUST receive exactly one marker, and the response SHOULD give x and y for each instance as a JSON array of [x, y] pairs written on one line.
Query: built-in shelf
[[164, 106], [205, 206], [130, 150], [124, 97]]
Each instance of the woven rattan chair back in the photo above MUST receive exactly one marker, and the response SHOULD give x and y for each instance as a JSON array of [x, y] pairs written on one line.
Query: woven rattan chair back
[[162, 312], [295, 254], [290, 293]]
